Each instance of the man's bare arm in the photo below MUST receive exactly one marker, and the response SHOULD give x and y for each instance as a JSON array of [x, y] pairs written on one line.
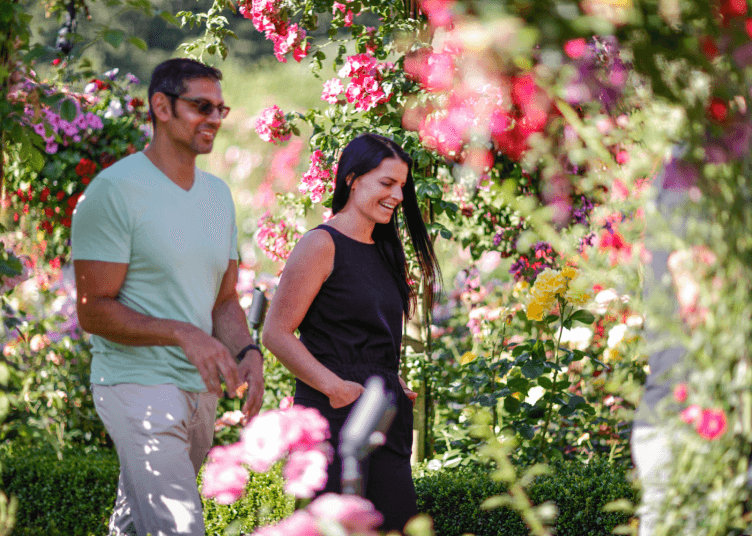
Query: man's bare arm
[[231, 328], [98, 284]]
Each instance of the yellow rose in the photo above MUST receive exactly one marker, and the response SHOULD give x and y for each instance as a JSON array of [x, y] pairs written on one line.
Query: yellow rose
[[536, 310], [468, 357], [579, 292], [611, 355], [551, 281], [570, 272]]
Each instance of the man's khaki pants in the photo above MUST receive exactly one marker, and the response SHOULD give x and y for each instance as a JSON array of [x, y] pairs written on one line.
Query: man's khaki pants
[[162, 435]]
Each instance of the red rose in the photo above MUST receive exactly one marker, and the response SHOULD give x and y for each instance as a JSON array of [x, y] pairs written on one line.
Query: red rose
[[85, 168], [44, 194], [60, 195]]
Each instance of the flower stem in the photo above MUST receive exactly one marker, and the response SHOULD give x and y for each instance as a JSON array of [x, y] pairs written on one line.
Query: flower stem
[[562, 305]]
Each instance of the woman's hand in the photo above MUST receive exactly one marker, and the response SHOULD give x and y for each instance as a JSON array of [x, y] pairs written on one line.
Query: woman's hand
[[346, 393], [412, 395]]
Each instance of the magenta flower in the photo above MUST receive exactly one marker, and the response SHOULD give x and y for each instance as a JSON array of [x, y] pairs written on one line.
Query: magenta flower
[[711, 424], [272, 126], [263, 441], [680, 392], [224, 477], [305, 473], [354, 513], [690, 414], [319, 178], [574, 48], [332, 90], [303, 428]]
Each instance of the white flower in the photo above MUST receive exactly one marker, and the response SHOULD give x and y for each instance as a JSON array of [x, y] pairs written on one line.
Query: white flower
[[90, 88], [602, 299], [616, 334], [115, 109], [579, 337], [634, 321], [433, 465]]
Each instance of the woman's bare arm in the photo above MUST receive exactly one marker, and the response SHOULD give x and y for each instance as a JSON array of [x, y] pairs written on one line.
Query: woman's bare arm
[[308, 266]]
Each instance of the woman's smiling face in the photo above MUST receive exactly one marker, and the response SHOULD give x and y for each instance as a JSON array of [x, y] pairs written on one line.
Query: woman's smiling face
[[377, 194]]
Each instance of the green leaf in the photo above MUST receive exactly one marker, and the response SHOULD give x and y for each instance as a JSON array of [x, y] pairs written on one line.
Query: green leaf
[[518, 384], [445, 233], [511, 405], [565, 411], [586, 317], [36, 159], [114, 37], [138, 42], [68, 110], [545, 382], [170, 18], [532, 370]]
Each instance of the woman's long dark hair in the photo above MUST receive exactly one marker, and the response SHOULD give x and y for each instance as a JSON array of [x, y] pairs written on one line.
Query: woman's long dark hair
[[363, 154]]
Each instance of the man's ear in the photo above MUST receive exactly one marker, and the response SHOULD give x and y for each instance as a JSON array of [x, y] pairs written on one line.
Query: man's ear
[[161, 106]]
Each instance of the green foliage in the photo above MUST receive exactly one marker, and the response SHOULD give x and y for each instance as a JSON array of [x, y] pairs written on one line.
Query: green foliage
[[264, 502], [453, 499], [73, 495]]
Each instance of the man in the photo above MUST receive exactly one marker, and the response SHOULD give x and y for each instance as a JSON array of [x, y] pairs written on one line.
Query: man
[[155, 257]]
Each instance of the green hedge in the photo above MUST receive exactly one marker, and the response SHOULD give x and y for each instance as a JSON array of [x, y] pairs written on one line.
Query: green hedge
[[580, 491], [74, 497]]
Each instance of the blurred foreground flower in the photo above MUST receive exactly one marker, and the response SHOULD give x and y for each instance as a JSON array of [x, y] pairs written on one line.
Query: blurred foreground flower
[[297, 433]]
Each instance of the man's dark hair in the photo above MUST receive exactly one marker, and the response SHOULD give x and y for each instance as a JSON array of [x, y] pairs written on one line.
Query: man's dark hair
[[169, 77]]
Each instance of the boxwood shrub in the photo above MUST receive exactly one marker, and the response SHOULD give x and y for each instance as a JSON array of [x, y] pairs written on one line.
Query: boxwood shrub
[[453, 498], [74, 496]]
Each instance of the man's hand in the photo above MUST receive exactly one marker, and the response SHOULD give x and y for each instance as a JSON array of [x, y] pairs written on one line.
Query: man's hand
[[212, 359], [251, 370]]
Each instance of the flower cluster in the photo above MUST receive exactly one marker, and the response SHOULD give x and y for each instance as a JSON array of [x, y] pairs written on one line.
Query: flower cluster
[[353, 514], [297, 433], [107, 125], [366, 89], [271, 17], [347, 14], [709, 423], [271, 125], [319, 178], [553, 285], [56, 131], [276, 237]]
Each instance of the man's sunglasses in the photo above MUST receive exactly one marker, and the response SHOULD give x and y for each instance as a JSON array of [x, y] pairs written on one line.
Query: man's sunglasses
[[203, 106]]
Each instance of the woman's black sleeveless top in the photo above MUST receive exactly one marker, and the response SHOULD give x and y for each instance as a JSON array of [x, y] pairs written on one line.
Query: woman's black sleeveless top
[[354, 324]]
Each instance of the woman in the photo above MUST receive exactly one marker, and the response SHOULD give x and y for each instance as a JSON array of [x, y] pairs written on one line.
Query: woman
[[345, 288]]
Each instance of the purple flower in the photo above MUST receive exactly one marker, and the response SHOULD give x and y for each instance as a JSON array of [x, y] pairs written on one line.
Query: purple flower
[[94, 120], [51, 147], [112, 73], [39, 129], [131, 78], [743, 55]]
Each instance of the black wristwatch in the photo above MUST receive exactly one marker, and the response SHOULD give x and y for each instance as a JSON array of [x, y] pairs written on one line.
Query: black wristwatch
[[242, 352]]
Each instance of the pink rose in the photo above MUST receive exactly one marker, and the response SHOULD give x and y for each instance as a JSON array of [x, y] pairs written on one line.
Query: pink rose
[[680, 392], [691, 413], [711, 424], [224, 481], [354, 513], [263, 441], [305, 473]]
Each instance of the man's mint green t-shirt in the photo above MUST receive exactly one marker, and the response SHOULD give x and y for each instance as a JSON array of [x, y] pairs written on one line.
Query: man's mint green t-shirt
[[177, 245]]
